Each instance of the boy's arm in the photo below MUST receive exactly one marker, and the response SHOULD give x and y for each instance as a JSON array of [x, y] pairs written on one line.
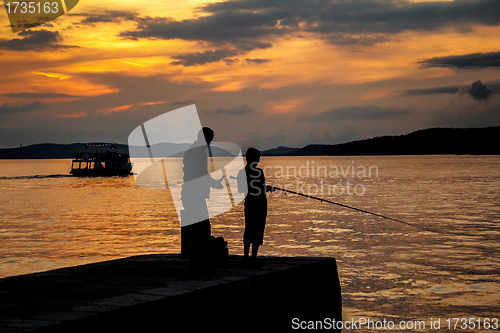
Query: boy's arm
[[268, 188], [217, 183], [242, 181]]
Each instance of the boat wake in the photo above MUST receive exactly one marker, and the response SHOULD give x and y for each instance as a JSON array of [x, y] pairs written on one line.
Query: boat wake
[[36, 177]]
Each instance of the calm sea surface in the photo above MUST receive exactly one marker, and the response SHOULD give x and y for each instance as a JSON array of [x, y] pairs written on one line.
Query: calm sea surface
[[388, 270]]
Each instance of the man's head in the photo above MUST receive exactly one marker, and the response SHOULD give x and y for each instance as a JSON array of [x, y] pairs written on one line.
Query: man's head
[[252, 155], [206, 134]]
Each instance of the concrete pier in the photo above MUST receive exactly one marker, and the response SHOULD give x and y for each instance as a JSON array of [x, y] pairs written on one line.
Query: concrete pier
[[157, 293]]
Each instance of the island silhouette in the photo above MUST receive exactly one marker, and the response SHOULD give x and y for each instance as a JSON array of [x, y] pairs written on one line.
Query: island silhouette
[[432, 141]]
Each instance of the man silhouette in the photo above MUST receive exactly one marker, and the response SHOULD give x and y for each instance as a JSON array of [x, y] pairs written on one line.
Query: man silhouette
[[195, 190]]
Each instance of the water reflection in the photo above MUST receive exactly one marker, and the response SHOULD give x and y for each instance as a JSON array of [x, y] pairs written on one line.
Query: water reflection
[[387, 269]]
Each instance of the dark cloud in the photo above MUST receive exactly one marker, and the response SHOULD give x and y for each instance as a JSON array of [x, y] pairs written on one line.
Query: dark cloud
[[231, 61], [357, 113], [261, 140], [467, 61], [183, 103], [39, 95], [236, 110], [364, 40], [200, 58], [8, 109], [251, 24], [35, 40], [105, 16], [218, 29], [432, 91], [479, 91], [257, 61]]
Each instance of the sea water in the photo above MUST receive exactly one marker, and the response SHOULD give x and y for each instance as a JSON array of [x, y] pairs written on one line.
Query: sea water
[[440, 261]]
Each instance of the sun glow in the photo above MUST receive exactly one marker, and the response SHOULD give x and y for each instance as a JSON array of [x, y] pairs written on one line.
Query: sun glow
[[54, 75], [130, 107], [287, 106], [110, 58]]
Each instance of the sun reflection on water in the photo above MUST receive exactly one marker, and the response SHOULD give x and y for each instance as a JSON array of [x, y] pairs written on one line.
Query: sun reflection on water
[[387, 269]]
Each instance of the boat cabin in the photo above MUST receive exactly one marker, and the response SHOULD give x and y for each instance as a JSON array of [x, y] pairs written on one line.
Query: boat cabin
[[109, 163]]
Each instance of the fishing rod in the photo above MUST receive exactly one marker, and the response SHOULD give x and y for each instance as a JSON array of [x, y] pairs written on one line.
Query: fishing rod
[[223, 174], [350, 207]]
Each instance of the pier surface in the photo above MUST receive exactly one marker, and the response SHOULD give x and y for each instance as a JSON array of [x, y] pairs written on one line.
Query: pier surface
[[157, 293]]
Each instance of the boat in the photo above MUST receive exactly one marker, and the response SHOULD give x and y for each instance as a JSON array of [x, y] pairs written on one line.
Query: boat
[[94, 164]]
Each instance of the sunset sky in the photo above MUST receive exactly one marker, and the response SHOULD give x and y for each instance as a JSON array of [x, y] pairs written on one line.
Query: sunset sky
[[262, 73]]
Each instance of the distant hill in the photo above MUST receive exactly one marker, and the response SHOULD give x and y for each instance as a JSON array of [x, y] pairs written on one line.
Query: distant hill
[[52, 150], [474, 141], [279, 151]]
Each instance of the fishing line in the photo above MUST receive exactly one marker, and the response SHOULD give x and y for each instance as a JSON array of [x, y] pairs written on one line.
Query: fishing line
[[367, 212], [376, 214], [350, 207]]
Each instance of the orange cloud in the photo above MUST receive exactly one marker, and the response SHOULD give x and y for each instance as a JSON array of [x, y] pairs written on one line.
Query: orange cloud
[[54, 75], [73, 115], [287, 106], [130, 107]]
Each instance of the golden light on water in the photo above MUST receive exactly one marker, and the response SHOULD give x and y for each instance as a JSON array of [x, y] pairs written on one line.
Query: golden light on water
[[386, 268]]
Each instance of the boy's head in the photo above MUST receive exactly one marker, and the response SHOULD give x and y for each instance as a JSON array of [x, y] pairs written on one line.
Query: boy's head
[[252, 155]]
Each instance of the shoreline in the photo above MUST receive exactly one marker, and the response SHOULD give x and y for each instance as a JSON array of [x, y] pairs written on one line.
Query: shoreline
[[285, 156]]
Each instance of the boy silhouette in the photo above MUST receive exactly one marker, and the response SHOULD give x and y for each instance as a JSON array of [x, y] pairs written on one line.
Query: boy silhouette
[[255, 202]]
